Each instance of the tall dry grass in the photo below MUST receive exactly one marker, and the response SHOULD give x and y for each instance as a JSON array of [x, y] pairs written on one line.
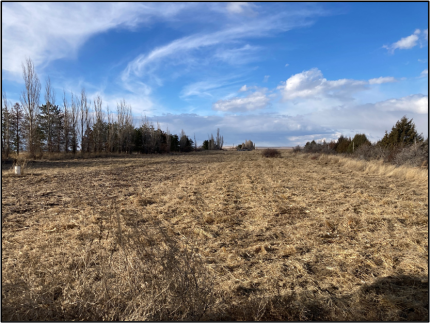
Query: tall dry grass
[[378, 167]]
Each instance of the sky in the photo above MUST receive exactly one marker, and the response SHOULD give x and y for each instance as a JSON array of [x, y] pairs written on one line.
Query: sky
[[279, 74]]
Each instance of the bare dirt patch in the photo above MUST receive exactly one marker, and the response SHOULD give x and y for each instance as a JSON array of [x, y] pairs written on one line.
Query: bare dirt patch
[[236, 235]]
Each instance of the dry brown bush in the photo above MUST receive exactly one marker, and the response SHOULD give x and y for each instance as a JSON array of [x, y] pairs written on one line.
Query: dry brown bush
[[413, 155], [297, 149], [271, 153]]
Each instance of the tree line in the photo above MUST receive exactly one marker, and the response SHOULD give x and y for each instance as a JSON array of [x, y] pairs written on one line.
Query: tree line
[[402, 145], [402, 134], [77, 125]]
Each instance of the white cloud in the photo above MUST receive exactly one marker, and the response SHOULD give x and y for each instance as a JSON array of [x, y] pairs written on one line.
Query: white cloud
[[243, 89], [213, 84], [264, 129], [186, 44], [237, 56], [407, 42], [422, 60], [46, 31], [312, 84], [425, 72], [380, 80], [253, 101], [239, 8], [371, 118], [417, 103], [286, 65], [266, 78], [269, 129], [232, 33]]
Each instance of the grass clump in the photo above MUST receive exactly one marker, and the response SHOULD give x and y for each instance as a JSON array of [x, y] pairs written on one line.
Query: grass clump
[[271, 153]]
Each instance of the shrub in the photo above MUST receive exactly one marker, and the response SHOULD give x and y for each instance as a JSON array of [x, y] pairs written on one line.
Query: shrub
[[271, 153], [342, 144], [332, 145], [359, 139], [369, 152], [297, 149], [412, 155], [312, 147]]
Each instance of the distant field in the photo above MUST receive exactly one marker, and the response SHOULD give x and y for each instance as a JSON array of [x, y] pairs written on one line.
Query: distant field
[[217, 235]]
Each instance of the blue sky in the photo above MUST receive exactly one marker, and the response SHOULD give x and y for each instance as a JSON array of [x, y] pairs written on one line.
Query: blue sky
[[280, 74]]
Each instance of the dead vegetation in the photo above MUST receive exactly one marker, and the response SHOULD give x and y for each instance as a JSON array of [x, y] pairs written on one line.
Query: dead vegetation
[[271, 153], [215, 236]]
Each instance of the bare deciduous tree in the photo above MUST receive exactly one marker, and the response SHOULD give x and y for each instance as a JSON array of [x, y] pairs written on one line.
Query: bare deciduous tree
[[30, 101], [50, 101], [219, 140], [66, 123], [168, 140], [121, 117], [110, 131], [98, 124], [215, 143], [74, 114], [6, 118], [128, 128], [83, 116]]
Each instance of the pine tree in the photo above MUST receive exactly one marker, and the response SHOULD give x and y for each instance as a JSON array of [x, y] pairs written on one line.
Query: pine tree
[[183, 141], [174, 143], [357, 141], [51, 124], [16, 120], [403, 133], [342, 144], [205, 145]]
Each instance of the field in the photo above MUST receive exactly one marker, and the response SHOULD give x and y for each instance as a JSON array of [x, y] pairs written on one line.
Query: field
[[215, 236]]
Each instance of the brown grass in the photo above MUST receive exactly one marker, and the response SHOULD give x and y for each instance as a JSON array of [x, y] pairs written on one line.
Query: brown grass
[[215, 236]]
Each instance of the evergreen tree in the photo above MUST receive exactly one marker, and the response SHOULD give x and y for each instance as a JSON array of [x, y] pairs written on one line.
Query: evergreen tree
[[206, 145], [51, 127], [342, 144], [174, 143], [137, 140], [359, 139], [183, 141], [16, 120], [402, 133], [58, 128]]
